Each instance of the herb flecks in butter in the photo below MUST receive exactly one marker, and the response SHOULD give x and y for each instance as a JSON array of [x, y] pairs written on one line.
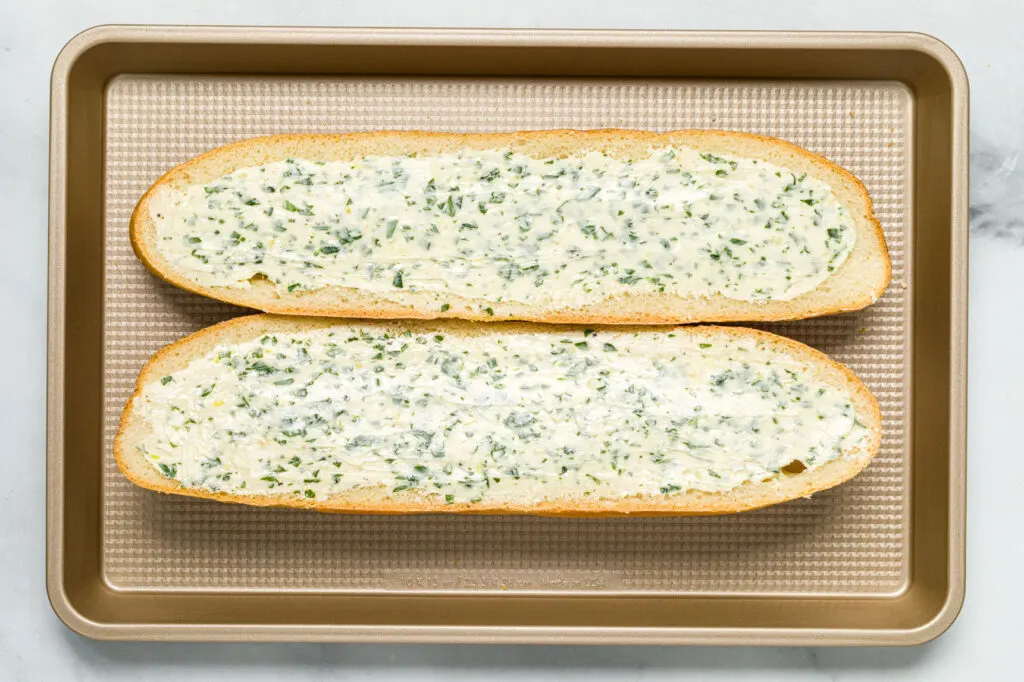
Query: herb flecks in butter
[[494, 417], [498, 225]]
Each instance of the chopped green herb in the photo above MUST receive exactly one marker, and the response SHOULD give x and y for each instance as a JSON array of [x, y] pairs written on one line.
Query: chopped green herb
[[306, 210]]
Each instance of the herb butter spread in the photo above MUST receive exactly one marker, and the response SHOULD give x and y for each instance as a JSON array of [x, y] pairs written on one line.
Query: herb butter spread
[[491, 417], [496, 225]]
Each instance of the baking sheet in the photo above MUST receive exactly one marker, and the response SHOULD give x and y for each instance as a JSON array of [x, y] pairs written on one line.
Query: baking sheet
[[795, 572]]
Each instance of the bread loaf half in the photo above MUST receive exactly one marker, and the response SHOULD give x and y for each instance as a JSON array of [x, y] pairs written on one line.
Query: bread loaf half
[[601, 226], [428, 417]]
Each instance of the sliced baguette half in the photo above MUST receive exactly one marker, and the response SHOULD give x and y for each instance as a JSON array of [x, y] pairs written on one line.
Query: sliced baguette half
[[790, 482], [861, 278]]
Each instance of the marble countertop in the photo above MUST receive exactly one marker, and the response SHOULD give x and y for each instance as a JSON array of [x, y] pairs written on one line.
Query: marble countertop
[[982, 644]]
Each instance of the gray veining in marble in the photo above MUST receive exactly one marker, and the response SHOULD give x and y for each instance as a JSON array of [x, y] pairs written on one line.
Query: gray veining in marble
[[997, 191]]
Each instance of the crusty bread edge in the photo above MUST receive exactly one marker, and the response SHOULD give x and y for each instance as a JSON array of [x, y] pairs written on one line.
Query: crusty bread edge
[[781, 488], [629, 309]]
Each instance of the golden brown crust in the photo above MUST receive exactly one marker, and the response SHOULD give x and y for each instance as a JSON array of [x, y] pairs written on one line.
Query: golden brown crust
[[857, 283], [781, 488]]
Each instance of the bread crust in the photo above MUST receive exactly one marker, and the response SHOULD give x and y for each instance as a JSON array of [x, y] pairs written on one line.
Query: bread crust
[[857, 283], [780, 488]]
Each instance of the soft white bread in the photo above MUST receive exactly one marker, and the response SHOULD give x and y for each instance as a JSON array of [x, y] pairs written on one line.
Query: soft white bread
[[856, 283], [791, 482]]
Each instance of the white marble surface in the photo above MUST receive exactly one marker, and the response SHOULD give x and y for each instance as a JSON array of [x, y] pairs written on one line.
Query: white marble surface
[[983, 644]]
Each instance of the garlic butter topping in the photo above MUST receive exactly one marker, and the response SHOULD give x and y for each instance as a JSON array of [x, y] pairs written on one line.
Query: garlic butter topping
[[496, 225], [492, 417]]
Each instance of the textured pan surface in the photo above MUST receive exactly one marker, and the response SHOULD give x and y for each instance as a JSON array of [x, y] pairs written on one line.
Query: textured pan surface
[[851, 540]]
